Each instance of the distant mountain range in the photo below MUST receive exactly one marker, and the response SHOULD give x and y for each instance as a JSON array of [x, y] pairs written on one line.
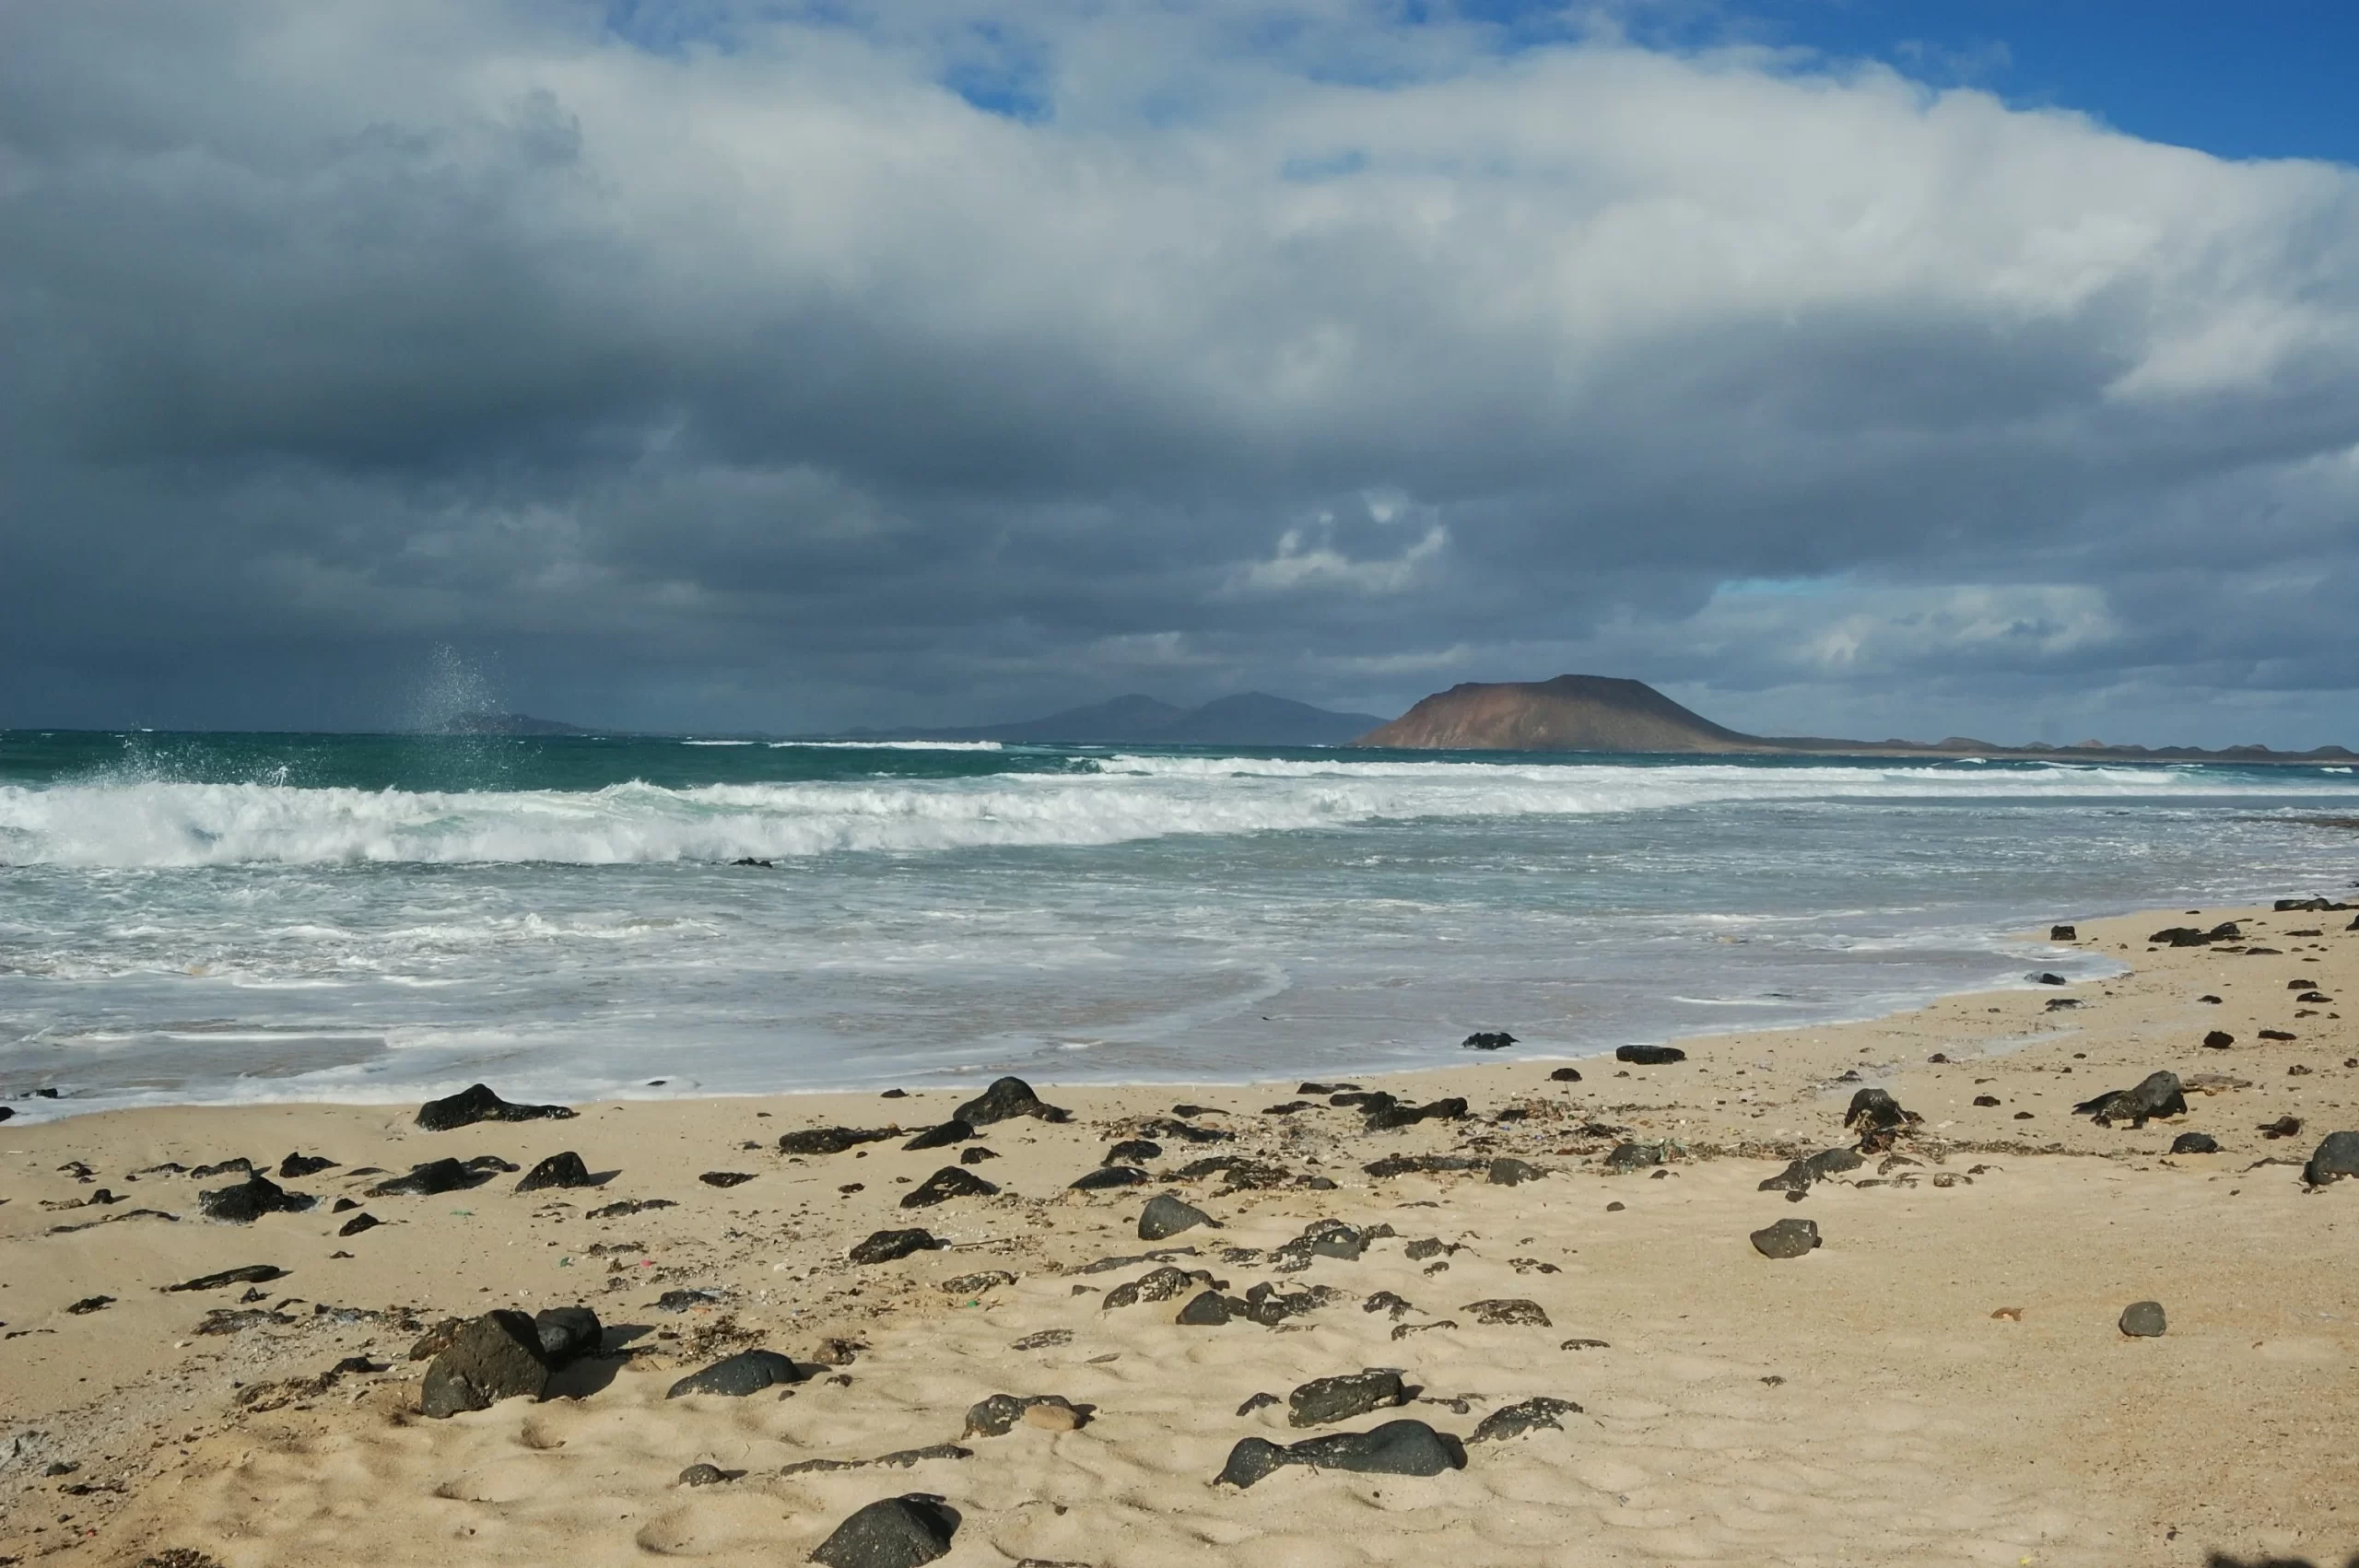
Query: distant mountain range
[[1571, 713], [1599, 713], [1248, 718], [508, 724]]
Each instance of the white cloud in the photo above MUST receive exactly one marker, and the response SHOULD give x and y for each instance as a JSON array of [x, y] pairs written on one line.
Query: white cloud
[[822, 369]]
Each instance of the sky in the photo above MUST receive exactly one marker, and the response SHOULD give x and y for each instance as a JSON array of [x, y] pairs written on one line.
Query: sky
[[1841, 367]]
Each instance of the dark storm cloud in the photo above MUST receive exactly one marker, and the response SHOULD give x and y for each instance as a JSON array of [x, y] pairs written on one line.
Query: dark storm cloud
[[706, 366]]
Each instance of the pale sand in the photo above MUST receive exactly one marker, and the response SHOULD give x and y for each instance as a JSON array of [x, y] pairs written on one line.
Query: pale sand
[[1860, 1405]]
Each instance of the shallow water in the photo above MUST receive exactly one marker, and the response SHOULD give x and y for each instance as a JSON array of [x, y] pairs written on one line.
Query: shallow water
[[233, 917]]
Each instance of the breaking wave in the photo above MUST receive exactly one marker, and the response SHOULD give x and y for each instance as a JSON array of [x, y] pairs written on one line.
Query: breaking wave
[[153, 823]]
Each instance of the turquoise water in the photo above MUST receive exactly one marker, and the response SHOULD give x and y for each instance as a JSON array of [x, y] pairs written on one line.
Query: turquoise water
[[222, 918]]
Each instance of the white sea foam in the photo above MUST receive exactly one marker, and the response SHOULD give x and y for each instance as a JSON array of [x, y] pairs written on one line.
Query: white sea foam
[[158, 822], [889, 745]]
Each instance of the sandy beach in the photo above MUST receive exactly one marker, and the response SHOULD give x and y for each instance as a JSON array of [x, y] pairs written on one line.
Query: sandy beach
[[1943, 1380]]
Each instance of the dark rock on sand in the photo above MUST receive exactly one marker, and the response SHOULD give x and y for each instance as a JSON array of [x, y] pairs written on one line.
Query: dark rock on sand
[[218, 1167], [2187, 936], [941, 1137], [1168, 1216], [1006, 1098], [1407, 1164], [1133, 1152], [1379, 1117], [1327, 1238], [1207, 1309], [2218, 1040], [1487, 1040], [2158, 1094], [251, 1274], [477, 1103], [975, 1155], [2143, 1319], [1566, 1075], [1530, 1415], [885, 1247], [1507, 1171], [426, 1181], [491, 1358], [631, 1205], [1649, 1056], [1512, 1311], [2283, 1127], [2337, 1156], [568, 1333], [975, 1285], [707, 1475], [833, 1140], [1156, 1285], [895, 1532], [363, 1221], [304, 1165], [997, 1416], [1108, 1176], [1786, 1238], [1630, 1156], [1396, 1448], [747, 1372], [556, 1171], [2047, 977], [2062, 934], [1324, 1400], [1876, 1111], [950, 1181], [250, 1201], [2195, 1143], [725, 1178]]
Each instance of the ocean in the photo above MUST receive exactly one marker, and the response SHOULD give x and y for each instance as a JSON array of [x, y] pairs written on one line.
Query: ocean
[[227, 917]]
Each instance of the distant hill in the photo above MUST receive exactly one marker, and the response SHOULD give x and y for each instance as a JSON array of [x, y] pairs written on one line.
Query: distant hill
[[508, 724], [1601, 713], [1571, 713], [1248, 718]]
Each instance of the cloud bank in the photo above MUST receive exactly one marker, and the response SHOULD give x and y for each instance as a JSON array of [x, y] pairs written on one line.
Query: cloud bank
[[709, 366]]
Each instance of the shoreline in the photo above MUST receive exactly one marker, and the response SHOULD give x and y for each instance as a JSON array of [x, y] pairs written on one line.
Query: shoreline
[[1740, 1408], [34, 1111]]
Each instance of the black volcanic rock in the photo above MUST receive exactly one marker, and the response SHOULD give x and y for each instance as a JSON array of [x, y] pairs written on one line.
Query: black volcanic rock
[[250, 1274], [495, 1357], [1324, 1400], [477, 1103], [832, 1139], [568, 1333], [426, 1180], [1168, 1216], [1397, 1448], [251, 1200], [885, 1247], [1108, 1176], [893, 1532], [1786, 1238], [2157, 1095], [2337, 1156], [747, 1372], [949, 1132], [950, 1181], [1006, 1098], [1649, 1056], [556, 1171]]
